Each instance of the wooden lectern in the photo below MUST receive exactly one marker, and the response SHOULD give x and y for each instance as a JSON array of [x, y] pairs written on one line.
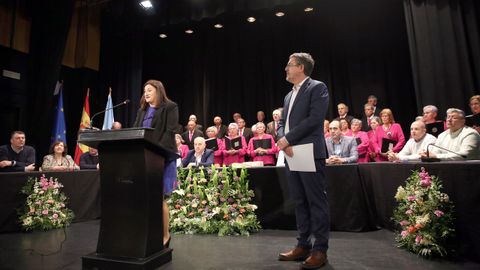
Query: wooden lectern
[[131, 173]]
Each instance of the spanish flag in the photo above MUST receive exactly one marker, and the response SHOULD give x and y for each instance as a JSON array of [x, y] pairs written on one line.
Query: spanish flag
[[84, 123]]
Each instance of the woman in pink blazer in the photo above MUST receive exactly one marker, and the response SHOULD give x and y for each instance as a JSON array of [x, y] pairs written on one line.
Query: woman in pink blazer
[[373, 148], [362, 136], [231, 155], [390, 130], [217, 154], [261, 154], [182, 149]]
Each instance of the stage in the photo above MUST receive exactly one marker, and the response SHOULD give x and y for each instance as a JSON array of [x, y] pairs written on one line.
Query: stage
[[360, 197]]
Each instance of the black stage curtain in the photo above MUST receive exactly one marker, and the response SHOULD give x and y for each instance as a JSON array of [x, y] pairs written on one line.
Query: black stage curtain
[[50, 24], [360, 49], [445, 51]]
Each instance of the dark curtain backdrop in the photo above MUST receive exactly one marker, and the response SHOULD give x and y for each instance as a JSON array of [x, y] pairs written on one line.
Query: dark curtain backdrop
[[50, 24], [445, 51], [360, 48]]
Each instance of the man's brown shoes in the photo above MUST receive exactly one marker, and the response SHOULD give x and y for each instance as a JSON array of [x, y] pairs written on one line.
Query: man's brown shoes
[[296, 254], [316, 260]]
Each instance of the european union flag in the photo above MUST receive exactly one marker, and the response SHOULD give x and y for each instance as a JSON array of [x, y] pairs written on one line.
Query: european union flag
[[59, 132]]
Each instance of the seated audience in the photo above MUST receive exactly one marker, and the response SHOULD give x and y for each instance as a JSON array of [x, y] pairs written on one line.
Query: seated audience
[[345, 126], [341, 149], [16, 156], [361, 138], [58, 160], [89, 160], [343, 112], [475, 108], [418, 142], [191, 133], [458, 138], [373, 147], [117, 125], [367, 116], [221, 128], [390, 130], [244, 131], [267, 155], [231, 155], [218, 154], [182, 149], [199, 156], [273, 126]]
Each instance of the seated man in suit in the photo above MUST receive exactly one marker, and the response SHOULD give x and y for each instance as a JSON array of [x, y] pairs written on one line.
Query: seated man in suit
[[341, 149], [89, 160], [200, 156], [463, 142], [191, 133], [16, 156]]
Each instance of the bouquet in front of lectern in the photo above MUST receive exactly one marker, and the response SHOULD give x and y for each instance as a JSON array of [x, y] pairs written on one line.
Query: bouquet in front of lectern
[[424, 215], [45, 207], [210, 201]]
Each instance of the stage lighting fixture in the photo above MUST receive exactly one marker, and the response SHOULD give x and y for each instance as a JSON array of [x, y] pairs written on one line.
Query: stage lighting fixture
[[218, 26], [308, 9], [279, 14], [189, 31], [251, 19], [162, 36], [146, 4]]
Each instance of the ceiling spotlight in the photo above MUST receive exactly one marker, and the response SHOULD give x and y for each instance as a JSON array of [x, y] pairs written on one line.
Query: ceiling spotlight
[[162, 36], [251, 19], [218, 26], [189, 31], [308, 9], [279, 14], [146, 4]]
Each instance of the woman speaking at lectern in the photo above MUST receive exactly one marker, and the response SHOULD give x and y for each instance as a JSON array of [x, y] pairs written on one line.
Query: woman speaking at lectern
[[159, 112]]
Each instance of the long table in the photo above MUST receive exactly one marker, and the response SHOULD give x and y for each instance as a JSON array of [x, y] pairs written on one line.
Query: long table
[[361, 197]]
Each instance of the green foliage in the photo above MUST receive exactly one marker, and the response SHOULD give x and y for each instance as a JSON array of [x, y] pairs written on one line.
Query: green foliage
[[45, 205], [424, 215], [210, 201]]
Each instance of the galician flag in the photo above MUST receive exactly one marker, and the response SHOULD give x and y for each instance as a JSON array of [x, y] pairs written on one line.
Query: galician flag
[[84, 123], [59, 132], [108, 120]]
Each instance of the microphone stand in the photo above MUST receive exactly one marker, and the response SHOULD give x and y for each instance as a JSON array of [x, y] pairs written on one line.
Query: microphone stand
[[100, 112], [431, 159]]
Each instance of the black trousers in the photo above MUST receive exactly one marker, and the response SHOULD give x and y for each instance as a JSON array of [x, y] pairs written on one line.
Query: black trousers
[[308, 190]]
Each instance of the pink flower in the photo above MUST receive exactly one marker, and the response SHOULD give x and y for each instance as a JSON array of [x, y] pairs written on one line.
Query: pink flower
[[55, 216], [409, 212], [418, 239], [438, 213], [404, 234], [45, 212], [425, 183], [411, 198], [404, 223]]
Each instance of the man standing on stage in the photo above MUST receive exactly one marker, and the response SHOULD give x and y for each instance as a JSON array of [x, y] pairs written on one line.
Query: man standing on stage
[[304, 110]]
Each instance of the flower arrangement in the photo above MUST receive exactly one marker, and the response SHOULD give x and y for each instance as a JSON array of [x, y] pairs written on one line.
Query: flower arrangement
[[45, 205], [208, 200], [424, 215]]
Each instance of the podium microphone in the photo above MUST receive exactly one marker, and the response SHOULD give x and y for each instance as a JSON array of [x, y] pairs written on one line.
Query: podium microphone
[[429, 159], [100, 112]]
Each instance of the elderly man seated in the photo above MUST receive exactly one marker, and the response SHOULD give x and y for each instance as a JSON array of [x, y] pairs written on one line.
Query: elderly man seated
[[199, 156], [418, 142], [341, 149], [462, 142], [16, 156]]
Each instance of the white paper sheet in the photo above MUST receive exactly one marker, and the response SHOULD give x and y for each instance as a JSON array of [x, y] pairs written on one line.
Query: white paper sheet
[[302, 160]]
